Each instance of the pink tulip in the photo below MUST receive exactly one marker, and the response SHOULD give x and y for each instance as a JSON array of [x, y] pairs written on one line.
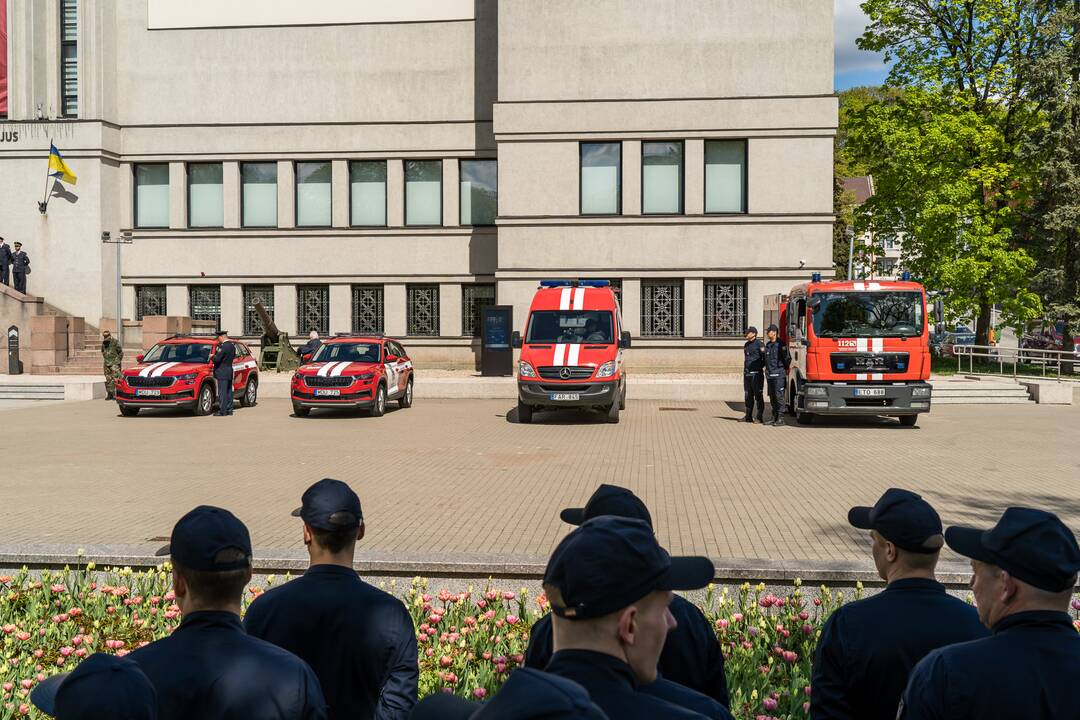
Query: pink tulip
[[24, 709], [27, 684], [446, 661], [769, 704], [479, 693], [8, 686], [58, 588], [66, 651]]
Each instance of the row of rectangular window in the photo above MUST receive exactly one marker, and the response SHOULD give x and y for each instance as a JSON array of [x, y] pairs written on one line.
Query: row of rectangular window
[[69, 58], [477, 187], [662, 174], [724, 308]]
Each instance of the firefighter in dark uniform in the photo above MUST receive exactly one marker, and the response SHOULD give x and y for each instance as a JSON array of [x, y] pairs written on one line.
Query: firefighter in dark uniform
[[609, 584], [777, 362], [102, 686], [753, 380], [1024, 575], [360, 641], [692, 664], [527, 695], [861, 664], [223, 372], [209, 668]]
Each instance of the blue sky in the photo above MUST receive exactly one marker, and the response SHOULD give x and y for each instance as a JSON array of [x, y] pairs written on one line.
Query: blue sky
[[854, 66]]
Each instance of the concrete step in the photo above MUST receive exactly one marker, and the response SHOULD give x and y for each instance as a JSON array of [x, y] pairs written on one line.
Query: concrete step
[[31, 392], [982, 400], [981, 392]]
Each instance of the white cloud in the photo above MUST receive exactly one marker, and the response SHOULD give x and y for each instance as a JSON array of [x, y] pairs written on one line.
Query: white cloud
[[848, 24]]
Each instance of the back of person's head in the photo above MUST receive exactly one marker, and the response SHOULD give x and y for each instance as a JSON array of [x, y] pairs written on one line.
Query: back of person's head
[[906, 530], [313, 334], [332, 516], [527, 695], [608, 500], [102, 686], [211, 553], [609, 584]]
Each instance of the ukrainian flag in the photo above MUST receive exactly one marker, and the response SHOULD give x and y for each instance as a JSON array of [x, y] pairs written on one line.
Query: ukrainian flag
[[56, 162]]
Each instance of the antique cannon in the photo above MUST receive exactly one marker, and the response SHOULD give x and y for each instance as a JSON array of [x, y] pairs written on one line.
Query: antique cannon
[[275, 353]]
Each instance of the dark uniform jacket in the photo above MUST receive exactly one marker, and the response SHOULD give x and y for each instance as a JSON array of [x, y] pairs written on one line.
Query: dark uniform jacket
[[210, 669], [692, 656], [753, 357], [310, 347], [868, 647], [223, 360], [611, 685], [1029, 668], [360, 641], [5, 255], [777, 358]]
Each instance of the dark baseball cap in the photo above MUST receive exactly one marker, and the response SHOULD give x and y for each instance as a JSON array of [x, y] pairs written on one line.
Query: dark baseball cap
[[772, 328], [611, 562], [102, 686], [220, 333], [608, 500], [527, 695], [750, 329], [904, 519], [209, 539], [330, 505], [1031, 545]]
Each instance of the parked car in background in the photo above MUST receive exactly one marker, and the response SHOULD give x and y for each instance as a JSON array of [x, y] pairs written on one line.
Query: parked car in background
[[943, 345], [1047, 336]]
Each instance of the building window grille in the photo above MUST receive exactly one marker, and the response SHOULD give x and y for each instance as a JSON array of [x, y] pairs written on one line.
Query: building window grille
[[601, 178], [206, 195], [152, 196], [725, 176], [205, 302], [661, 308], [479, 192], [422, 310], [313, 309], [367, 308], [149, 300], [260, 193], [473, 298], [252, 295], [367, 193], [69, 58], [725, 308]]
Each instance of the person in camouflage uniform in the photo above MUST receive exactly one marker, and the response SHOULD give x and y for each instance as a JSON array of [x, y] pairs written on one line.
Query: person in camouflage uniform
[[112, 354]]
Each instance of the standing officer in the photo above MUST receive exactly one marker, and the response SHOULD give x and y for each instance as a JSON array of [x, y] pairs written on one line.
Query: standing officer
[[862, 663], [692, 657], [777, 362], [360, 641], [20, 267], [223, 373], [102, 686], [753, 380], [112, 355], [609, 584], [5, 262], [527, 694], [1024, 574], [209, 668]]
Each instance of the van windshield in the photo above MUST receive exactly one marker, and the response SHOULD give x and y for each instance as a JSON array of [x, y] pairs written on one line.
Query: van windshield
[[570, 326]]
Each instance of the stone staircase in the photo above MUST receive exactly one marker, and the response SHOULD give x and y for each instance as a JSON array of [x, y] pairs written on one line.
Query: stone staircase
[[962, 390], [25, 391]]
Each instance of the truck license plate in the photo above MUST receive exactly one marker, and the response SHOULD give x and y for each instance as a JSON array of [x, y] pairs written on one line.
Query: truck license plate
[[148, 393], [870, 392], [564, 396], [328, 393]]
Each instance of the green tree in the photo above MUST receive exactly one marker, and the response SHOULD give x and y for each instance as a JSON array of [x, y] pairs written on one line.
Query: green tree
[[945, 183], [1051, 224]]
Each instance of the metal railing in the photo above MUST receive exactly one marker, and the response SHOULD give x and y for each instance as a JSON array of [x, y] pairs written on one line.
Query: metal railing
[[1002, 357]]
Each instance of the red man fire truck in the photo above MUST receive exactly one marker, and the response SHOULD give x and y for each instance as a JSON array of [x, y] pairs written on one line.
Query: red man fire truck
[[857, 347]]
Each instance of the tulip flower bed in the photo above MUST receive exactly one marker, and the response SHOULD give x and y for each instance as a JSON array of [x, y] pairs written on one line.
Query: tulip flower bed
[[468, 642]]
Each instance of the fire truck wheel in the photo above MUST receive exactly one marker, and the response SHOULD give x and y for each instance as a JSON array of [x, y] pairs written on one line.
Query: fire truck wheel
[[613, 413], [792, 398], [908, 420], [524, 413]]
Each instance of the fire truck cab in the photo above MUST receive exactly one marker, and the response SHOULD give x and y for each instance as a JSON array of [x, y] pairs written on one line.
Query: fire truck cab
[[857, 348]]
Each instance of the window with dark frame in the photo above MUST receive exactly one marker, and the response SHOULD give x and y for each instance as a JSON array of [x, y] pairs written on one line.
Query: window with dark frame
[[367, 193], [253, 294], [205, 302], [69, 58], [314, 194], [600, 178], [662, 178], [661, 308], [474, 297], [313, 309], [725, 308], [422, 310], [479, 185], [423, 192], [367, 309], [259, 194], [149, 300], [725, 176], [151, 200], [206, 195]]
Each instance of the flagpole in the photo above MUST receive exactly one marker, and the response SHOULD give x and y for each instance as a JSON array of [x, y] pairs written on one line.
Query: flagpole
[[43, 206]]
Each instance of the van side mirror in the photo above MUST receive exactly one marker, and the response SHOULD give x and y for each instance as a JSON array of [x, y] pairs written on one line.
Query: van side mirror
[[515, 339], [624, 339], [392, 358], [306, 357], [939, 311]]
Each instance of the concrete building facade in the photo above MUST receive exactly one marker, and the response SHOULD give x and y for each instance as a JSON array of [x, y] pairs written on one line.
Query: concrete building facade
[[329, 159]]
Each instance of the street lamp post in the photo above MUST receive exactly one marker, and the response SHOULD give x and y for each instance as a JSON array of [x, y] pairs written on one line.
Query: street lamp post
[[124, 239]]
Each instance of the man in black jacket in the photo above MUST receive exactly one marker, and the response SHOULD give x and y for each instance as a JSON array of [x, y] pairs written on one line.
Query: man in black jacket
[[5, 262], [223, 372], [777, 361], [20, 267], [753, 380]]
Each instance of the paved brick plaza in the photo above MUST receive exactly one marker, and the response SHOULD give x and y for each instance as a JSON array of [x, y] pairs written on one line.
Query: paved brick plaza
[[454, 480]]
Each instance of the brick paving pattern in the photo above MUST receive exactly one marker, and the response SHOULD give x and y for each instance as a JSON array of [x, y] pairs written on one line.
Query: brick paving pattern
[[451, 479]]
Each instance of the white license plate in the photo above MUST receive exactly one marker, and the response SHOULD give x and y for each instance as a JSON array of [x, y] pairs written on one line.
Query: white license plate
[[148, 393], [555, 397], [327, 393], [870, 392]]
